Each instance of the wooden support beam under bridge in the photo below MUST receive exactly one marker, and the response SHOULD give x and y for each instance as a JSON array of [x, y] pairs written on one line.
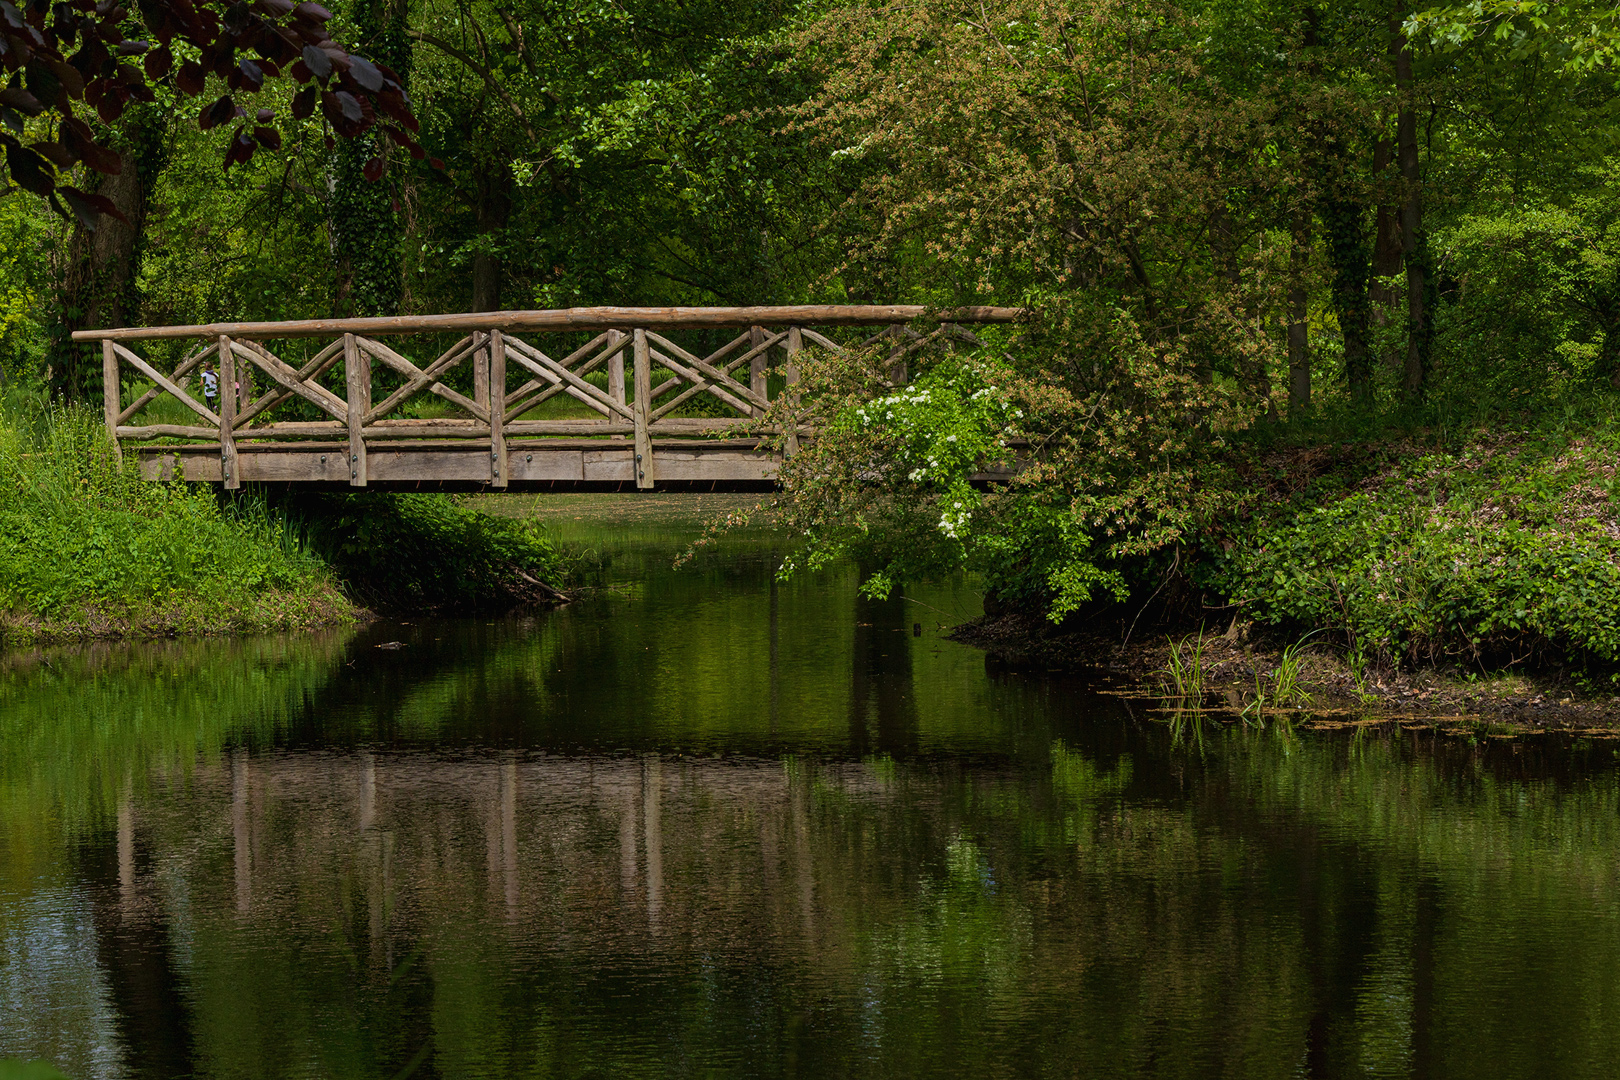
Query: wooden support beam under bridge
[[698, 416]]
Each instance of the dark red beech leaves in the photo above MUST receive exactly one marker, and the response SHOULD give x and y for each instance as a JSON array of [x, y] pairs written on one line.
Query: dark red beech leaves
[[66, 59]]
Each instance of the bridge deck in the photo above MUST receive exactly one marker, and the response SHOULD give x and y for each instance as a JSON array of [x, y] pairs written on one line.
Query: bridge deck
[[584, 464], [638, 391]]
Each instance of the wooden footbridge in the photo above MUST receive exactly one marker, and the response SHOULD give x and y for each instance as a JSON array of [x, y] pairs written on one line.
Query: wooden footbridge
[[624, 408]]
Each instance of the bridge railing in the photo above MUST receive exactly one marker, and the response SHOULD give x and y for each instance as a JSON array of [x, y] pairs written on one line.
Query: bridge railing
[[649, 378]]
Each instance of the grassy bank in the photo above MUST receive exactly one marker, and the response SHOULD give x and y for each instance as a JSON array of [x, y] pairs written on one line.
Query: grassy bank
[[87, 550]]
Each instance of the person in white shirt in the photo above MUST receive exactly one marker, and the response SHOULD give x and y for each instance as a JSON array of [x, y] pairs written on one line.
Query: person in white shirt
[[210, 384]]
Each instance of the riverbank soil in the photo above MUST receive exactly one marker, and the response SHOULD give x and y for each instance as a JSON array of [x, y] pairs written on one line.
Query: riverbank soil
[[1241, 663], [322, 609]]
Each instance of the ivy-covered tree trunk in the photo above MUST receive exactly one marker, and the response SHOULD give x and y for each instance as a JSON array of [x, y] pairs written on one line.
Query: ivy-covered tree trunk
[[1343, 223], [1387, 257], [366, 232], [97, 286], [1414, 373], [1299, 345]]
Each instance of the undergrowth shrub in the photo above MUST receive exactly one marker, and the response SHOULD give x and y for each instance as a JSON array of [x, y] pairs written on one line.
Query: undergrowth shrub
[[1505, 552], [423, 551]]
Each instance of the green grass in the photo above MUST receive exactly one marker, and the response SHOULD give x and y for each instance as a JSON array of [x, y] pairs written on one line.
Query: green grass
[[88, 549], [1183, 673]]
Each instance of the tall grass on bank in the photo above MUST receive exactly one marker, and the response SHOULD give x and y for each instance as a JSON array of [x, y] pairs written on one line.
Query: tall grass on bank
[[88, 549]]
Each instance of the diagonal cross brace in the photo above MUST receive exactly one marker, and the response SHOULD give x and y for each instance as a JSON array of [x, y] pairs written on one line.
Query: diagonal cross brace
[[179, 377], [164, 381], [411, 371], [314, 369], [551, 386], [739, 397], [547, 368], [700, 385], [288, 377], [450, 358]]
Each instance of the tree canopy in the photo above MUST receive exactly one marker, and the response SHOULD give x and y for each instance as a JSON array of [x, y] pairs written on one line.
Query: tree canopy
[[1224, 218]]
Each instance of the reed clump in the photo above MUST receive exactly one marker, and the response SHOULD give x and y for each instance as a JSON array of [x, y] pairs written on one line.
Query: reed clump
[[1184, 672]]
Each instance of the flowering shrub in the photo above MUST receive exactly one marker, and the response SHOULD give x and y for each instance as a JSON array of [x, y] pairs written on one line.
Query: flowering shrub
[[1055, 495]]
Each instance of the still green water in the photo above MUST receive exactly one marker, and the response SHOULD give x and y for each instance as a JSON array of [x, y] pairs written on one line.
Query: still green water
[[706, 825]]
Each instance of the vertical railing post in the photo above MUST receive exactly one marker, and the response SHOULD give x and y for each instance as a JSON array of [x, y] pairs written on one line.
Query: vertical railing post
[[357, 373], [481, 376], [244, 390], [795, 343], [897, 355], [227, 415], [111, 403], [497, 409], [757, 367], [616, 370], [642, 409]]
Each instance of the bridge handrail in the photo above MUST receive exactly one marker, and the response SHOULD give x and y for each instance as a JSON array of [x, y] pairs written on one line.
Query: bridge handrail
[[627, 348], [563, 319]]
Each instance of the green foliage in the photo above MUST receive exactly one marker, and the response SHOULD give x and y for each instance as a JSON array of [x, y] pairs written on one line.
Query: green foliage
[[421, 551], [1101, 478], [86, 546], [1501, 552], [25, 232], [1537, 313], [889, 478], [1575, 36]]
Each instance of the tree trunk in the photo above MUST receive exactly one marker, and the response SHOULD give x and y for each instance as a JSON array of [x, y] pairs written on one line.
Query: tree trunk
[[1299, 351], [1414, 372], [97, 287], [1347, 250], [493, 209], [1386, 256]]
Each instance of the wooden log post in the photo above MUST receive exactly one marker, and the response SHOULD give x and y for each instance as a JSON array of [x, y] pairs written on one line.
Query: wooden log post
[[497, 409], [616, 370], [357, 371], [227, 414], [481, 376], [642, 409], [758, 368], [795, 345], [897, 355], [244, 388], [111, 405]]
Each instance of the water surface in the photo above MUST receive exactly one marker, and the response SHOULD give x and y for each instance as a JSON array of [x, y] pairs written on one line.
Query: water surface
[[705, 824]]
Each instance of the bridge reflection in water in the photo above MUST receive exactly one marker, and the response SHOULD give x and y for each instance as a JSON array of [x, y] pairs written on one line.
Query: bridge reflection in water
[[626, 407], [617, 839]]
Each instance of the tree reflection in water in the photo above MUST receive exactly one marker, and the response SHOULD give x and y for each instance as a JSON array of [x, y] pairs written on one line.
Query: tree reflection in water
[[701, 830]]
